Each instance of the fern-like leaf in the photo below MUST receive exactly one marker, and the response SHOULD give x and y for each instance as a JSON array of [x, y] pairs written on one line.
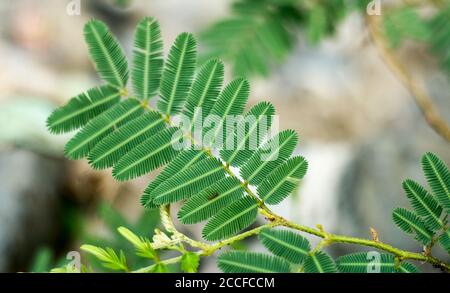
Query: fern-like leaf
[[190, 262], [109, 58], [269, 156], [250, 132], [204, 92], [251, 262], [211, 200], [410, 223], [147, 59], [181, 162], [82, 108], [440, 30], [83, 142], [424, 204], [363, 262], [149, 155], [108, 257], [444, 240], [231, 219], [117, 144], [438, 177], [187, 183], [177, 74], [319, 262], [408, 268], [231, 101], [282, 181], [286, 244]]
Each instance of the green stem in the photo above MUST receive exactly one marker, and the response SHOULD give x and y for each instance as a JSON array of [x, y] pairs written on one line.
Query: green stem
[[276, 220]]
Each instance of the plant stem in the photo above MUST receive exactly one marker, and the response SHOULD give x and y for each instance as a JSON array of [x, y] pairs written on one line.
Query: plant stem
[[422, 99], [276, 220]]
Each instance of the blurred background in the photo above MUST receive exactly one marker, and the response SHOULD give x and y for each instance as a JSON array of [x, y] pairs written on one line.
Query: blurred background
[[357, 88]]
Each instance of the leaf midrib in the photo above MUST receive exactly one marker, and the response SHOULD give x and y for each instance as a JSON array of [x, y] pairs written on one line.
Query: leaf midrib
[[147, 57], [438, 176], [286, 244], [98, 133], [419, 199], [264, 163], [236, 151], [106, 53], [82, 110], [227, 111], [177, 76], [231, 219], [417, 229], [246, 266], [203, 96], [130, 138], [198, 208], [219, 168], [147, 156], [282, 181]]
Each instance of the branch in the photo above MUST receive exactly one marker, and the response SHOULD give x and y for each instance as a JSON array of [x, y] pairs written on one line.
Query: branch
[[207, 249], [423, 101]]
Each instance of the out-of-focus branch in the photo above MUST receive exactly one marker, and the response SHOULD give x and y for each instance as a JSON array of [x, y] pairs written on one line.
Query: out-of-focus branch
[[422, 99]]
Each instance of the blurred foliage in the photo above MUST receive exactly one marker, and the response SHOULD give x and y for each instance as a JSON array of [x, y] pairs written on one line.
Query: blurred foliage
[[265, 31], [408, 24], [112, 219], [45, 259]]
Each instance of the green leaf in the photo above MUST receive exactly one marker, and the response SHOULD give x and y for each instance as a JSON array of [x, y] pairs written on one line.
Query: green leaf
[[405, 23], [154, 152], [108, 257], [410, 223], [99, 127], [231, 101], [181, 162], [231, 219], [250, 132], [187, 183], [117, 144], [444, 240], [42, 260], [159, 268], [82, 108], [424, 204], [204, 92], [177, 74], [251, 262], [147, 59], [440, 42], [319, 262], [317, 24], [438, 177], [211, 200], [143, 245], [190, 262], [109, 58], [406, 267], [364, 262], [282, 181], [286, 244], [261, 37], [269, 156]]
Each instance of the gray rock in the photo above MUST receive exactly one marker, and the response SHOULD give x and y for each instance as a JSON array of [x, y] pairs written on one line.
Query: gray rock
[[30, 185]]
